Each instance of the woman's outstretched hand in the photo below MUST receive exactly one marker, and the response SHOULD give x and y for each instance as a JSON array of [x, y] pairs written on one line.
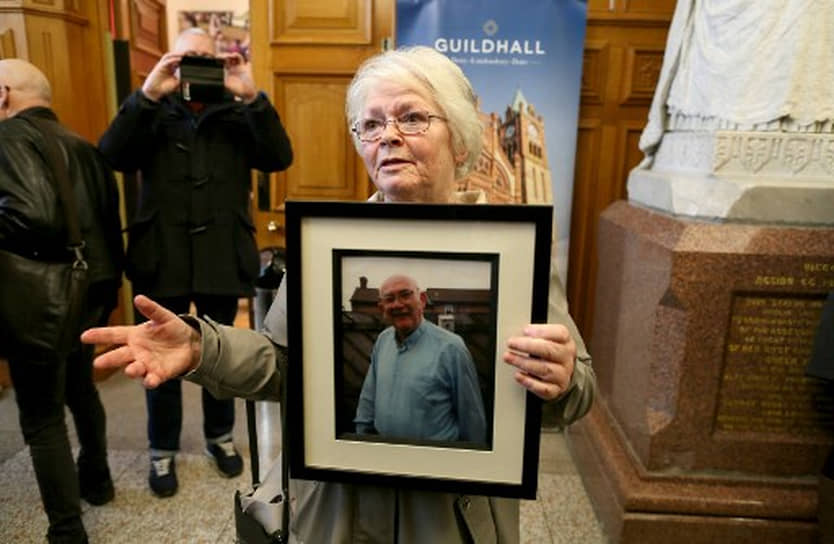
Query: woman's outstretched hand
[[157, 350]]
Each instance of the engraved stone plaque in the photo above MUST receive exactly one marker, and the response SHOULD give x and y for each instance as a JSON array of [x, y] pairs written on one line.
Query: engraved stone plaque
[[763, 385]]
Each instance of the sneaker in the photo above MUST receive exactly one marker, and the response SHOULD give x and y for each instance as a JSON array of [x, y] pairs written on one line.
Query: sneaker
[[94, 481], [226, 457], [163, 476]]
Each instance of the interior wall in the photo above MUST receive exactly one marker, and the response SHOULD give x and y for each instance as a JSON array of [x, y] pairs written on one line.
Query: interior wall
[[174, 6]]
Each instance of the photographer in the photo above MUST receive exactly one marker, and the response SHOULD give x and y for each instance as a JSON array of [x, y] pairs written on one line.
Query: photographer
[[192, 240]]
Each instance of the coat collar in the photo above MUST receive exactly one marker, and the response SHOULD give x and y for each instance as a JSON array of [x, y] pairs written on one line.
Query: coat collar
[[40, 112]]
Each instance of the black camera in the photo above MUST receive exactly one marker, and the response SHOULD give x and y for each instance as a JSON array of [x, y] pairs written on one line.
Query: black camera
[[201, 79]]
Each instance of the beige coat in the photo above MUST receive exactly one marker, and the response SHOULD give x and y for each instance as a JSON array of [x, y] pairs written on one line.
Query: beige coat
[[335, 513]]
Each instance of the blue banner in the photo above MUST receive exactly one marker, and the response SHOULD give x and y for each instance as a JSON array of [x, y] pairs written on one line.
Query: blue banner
[[524, 59]]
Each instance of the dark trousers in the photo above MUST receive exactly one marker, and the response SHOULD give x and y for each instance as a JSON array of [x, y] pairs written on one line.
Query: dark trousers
[[165, 402], [42, 387]]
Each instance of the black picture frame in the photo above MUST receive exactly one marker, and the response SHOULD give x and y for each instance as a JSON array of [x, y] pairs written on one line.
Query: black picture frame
[[485, 270]]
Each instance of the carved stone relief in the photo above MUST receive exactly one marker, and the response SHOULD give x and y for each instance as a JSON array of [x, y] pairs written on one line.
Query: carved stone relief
[[768, 154]]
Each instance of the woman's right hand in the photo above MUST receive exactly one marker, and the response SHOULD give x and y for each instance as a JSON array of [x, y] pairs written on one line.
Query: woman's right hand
[[157, 350]]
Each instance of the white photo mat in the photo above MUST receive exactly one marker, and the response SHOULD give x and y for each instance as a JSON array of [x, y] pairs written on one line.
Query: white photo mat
[[515, 243]]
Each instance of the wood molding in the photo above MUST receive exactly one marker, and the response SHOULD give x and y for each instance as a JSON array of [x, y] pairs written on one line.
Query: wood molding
[[629, 155], [598, 19], [583, 227], [7, 46], [70, 17]]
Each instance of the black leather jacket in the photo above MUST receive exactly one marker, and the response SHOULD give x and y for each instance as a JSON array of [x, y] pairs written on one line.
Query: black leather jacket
[[31, 217]]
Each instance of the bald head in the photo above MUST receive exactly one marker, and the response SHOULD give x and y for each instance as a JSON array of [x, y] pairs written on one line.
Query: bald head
[[22, 86], [400, 279]]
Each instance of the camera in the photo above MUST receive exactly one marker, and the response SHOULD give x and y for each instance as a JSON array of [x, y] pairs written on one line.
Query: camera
[[201, 79]]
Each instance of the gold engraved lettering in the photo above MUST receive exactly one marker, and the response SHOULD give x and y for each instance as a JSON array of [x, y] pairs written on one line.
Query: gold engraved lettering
[[774, 281], [763, 385], [818, 267]]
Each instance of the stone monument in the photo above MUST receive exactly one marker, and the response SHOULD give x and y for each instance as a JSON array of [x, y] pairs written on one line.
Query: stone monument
[[712, 278]]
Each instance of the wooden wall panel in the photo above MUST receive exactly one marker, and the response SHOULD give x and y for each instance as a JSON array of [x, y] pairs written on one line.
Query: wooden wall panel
[[624, 45], [8, 49], [335, 21], [629, 155], [642, 70], [583, 228], [662, 8], [314, 50], [326, 169], [65, 40], [631, 12], [148, 37], [594, 75]]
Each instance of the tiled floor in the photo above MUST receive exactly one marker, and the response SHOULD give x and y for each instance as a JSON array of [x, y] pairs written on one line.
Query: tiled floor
[[201, 512]]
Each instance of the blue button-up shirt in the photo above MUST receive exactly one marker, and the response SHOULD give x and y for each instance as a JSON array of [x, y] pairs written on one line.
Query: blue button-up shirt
[[425, 388]]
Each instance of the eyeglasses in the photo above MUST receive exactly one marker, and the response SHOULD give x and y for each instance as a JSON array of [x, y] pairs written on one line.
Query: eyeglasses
[[409, 124], [402, 296]]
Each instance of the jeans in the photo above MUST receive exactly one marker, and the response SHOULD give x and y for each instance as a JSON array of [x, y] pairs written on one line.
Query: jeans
[[42, 387], [165, 402]]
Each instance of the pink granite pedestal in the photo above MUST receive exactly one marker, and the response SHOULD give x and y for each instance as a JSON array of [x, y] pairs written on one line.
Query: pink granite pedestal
[[705, 427]]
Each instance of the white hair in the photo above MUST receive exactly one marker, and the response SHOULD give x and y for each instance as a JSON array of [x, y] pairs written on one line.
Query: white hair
[[430, 74], [192, 31]]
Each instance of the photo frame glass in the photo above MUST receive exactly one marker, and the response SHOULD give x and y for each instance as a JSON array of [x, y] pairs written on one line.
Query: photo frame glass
[[398, 317]]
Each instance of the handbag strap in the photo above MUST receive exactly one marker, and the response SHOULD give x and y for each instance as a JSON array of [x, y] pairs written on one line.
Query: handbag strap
[[281, 536], [55, 158], [252, 432], [285, 470]]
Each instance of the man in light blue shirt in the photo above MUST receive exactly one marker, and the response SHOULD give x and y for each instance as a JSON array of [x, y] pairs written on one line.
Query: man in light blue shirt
[[422, 383]]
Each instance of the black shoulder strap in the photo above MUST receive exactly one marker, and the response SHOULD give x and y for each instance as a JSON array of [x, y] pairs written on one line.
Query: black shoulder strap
[[285, 454], [252, 430], [55, 159]]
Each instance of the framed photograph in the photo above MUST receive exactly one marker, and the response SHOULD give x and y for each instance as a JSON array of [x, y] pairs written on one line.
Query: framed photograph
[[398, 316]]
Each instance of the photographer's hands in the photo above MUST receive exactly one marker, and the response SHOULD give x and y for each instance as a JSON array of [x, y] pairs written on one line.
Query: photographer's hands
[[239, 80], [163, 79]]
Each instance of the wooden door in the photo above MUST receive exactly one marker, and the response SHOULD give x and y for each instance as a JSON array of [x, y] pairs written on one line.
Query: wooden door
[[624, 46], [142, 25], [305, 54]]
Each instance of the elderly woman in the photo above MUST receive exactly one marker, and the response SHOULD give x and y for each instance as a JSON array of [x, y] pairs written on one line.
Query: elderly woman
[[415, 124]]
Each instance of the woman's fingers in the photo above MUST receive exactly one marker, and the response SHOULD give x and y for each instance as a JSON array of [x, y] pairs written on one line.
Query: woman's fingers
[[544, 357]]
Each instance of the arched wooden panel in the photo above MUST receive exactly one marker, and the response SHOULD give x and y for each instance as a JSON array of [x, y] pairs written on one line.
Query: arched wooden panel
[[326, 169], [7, 46]]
